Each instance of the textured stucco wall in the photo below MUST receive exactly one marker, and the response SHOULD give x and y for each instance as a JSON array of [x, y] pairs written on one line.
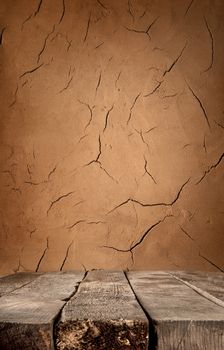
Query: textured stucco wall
[[111, 137]]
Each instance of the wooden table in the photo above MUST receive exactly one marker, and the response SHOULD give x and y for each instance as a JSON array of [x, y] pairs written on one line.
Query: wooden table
[[138, 310]]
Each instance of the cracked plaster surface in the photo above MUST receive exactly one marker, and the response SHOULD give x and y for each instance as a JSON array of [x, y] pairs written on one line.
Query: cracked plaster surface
[[111, 138]]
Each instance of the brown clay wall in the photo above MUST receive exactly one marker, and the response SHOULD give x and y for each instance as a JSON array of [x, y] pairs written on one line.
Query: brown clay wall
[[111, 138]]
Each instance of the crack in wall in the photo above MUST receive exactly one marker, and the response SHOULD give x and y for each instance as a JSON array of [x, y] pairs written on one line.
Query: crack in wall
[[101, 4], [186, 233], [86, 222], [76, 223], [67, 85], [151, 204], [142, 137], [82, 138], [132, 107], [99, 45], [144, 235], [211, 262], [79, 202], [97, 161], [171, 95], [155, 89], [107, 116], [32, 231], [98, 83], [95, 222], [210, 169], [118, 77], [212, 46], [91, 114], [200, 104], [31, 70], [188, 8], [66, 256], [42, 256], [58, 199], [32, 15], [147, 172], [143, 14], [143, 31], [1, 35], [45, 43], [168, 70], [38, 8], [87, 28], [26, 20], [33, 183], [51, 172], [19, 265], [149, 230], [15, 96], [204, 144], [63, 12], [98, 155]]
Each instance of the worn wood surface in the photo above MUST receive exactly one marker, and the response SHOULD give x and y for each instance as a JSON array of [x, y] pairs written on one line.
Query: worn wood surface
[[52, 286], [27, 314], [18, 280], [184, 310], [208, 284], [182, 318], [103, 314]]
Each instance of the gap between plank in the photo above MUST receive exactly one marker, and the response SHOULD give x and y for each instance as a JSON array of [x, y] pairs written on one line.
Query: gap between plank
[[58, 316], [152, 333]]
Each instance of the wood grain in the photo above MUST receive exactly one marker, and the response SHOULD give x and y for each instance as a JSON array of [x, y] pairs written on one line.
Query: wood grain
[[183, 319], [208, 284], [12, 282], [27, 315], [103, 314]]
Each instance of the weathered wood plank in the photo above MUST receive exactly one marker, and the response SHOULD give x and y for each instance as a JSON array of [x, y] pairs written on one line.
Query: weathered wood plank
[[12, 282], [51, 286], [208, 284], [27, 324], [103, 314], [182, 318], [27, 314]]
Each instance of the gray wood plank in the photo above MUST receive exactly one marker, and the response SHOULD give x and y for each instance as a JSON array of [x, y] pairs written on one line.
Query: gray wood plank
[[51, 286], [10, 283], [27, 315], [208, 284], [182, 318], [27, 324], [103, 314]]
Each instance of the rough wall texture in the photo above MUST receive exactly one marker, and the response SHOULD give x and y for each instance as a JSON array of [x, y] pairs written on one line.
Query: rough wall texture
[[111, 144]]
